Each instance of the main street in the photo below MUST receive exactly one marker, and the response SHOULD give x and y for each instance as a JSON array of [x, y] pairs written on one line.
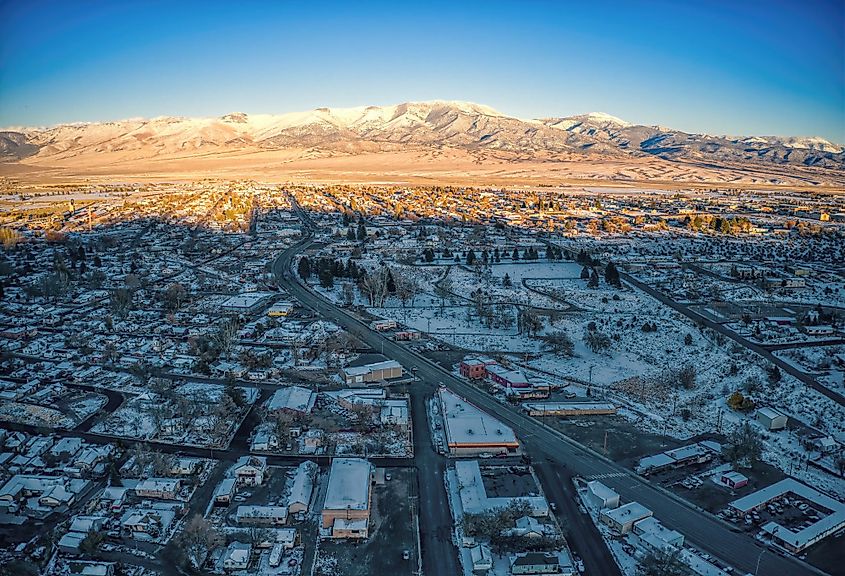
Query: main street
[[701, 528]]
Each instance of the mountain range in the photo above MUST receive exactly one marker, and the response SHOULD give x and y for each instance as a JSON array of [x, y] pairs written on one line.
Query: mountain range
[[430, 129]]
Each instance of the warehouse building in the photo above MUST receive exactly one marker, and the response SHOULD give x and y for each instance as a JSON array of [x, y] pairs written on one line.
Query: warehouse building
[[346, 512], [371, 373], [569, 408], [471, 431]]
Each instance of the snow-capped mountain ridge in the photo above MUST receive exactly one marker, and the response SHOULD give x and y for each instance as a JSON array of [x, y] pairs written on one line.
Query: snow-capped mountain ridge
[[409, 126]]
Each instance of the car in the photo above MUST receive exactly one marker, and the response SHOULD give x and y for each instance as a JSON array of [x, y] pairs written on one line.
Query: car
[[406, 555], [387, 476], [553, 506], [570, 395], [579, 564]]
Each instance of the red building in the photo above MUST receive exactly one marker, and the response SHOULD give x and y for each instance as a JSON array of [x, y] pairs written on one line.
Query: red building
[[475, 368]]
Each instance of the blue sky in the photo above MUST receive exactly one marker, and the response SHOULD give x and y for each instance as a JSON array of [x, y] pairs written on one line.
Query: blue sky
[[723, 67]]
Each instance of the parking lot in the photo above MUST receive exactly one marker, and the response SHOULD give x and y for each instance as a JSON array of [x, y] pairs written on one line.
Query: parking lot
[[789, 510], [392, 533], [508, 481]]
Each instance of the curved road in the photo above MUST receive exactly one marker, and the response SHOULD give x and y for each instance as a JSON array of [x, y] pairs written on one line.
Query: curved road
[[701, 528]]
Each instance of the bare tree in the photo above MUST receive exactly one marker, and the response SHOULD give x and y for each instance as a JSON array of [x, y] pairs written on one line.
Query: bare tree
[[407, 286], [443, 289], [197, 539], [374, 285], [226, 335]]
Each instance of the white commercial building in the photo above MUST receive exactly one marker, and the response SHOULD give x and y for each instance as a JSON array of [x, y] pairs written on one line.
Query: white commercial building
[[470, 430]]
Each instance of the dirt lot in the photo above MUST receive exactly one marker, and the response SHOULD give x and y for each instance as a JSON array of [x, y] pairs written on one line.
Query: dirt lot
[[392, 530], [711, 496], [625, 443]]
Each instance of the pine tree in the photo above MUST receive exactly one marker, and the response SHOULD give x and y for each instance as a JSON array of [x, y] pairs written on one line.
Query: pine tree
[[362, 231], [506, 280], [611, 274], [470, 259], [515, 254], [304, 268]]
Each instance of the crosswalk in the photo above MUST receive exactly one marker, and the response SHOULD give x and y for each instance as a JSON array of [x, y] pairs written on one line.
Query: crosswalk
[[608, 475]]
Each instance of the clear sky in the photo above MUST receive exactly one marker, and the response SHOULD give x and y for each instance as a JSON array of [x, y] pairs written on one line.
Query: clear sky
[[723, 67]]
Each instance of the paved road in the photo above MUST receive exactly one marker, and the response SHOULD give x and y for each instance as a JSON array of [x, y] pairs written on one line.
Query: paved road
[[581, 533], [756, 348], [701, 528]]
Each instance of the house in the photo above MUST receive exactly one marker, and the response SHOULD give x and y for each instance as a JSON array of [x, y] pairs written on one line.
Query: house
[[537, 563], [601, 496], [236, 556], [820, 330], [113, 497], [655, 536], [622, 519], [734, 479], [394, 413], [383, 324], [147, 523], [827, 445], [70, 542], [771, 419], [262, 515], [371, 373], [225, 491], [250, 470], [407, 335], [185, 466], [291, 399], [66, 448], [311, 442], [161, 488], [346, 511], [264, 441], [481, 557], [528, 527], [301, 487], [56, 496]]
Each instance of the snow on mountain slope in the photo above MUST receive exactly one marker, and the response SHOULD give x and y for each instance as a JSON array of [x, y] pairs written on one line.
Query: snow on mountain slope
[[407, 126]]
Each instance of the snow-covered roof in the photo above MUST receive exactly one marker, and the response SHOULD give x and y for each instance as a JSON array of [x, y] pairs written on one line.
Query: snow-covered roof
[[349, 484], [769, 413], [295, 398], [474, 498], [367, 368], [630, 512], [303, 483], [601, 491], [467, 425]]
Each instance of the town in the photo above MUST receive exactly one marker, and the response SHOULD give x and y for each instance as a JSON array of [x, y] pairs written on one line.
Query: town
[[241, 377]]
